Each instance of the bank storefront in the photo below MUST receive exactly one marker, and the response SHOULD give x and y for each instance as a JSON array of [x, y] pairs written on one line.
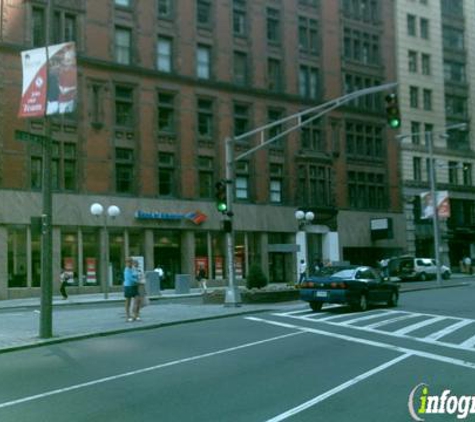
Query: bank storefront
[[179, 236]]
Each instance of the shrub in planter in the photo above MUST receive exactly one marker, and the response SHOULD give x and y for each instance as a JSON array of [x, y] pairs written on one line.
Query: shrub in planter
[[256, 278]]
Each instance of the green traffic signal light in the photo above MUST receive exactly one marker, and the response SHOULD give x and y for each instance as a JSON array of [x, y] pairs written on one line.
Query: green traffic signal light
[[394, 122], [220, 196], [392, 111], [222, 207]]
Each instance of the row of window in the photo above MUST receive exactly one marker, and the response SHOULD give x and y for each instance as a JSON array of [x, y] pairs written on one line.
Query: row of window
[[361, 10], [457, 139], [168, 107], [414, 98], [414, 30], [64, 26], [454, 71], [458, 172]]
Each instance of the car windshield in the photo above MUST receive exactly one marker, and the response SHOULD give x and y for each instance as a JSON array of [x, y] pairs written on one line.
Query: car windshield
[[337, 272]]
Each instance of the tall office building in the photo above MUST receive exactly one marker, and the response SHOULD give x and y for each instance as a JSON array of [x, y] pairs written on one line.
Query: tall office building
[[435, 50], [161, 84]]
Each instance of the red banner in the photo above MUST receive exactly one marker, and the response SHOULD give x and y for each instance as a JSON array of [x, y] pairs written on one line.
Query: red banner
[[49, 81]]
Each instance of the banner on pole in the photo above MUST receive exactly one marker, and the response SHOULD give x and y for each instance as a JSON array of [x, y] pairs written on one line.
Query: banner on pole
[[427, 206], [49, 81]]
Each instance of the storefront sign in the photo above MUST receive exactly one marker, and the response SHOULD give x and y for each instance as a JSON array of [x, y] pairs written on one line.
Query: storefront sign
[[218, 267], [91, 271], [196, 217]]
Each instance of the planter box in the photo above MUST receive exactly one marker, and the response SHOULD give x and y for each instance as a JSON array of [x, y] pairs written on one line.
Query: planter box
[[254, 296]]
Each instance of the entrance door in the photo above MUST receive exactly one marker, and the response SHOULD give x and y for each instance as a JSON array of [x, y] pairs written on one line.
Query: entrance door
[[277, 269], [169, 259]]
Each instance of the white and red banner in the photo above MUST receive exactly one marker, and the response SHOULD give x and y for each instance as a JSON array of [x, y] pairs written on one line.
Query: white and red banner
[[49, 81], [443, 204]]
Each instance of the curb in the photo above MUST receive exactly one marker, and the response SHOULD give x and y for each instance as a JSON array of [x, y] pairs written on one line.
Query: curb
[[420, 288], [66, 339]]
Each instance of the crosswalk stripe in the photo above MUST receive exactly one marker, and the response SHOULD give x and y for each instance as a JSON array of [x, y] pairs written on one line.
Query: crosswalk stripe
[[391, 320], [416, 326], [364, 318], [468, 343], [448, 330]]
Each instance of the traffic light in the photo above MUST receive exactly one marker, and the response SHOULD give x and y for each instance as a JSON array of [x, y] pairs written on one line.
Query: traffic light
[[220, 196], [392, 111]]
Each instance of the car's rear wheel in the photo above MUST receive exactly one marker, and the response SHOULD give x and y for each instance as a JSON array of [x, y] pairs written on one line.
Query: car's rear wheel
[[316, 306], [393, 299], [362, 304], [446, 275]]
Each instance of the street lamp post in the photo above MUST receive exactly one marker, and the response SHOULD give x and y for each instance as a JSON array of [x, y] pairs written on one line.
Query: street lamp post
[[303, 218], [429, 137], [112, 211], [435, 210]]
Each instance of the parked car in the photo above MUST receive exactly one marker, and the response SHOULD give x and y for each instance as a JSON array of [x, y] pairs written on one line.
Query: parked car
[[410, 268], [357, 286]]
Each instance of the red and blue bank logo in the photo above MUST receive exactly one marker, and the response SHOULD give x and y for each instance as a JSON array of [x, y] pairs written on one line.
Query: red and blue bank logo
[[196, 217]]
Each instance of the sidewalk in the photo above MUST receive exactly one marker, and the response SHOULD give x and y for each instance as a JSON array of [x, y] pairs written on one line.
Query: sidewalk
[[20, 318]]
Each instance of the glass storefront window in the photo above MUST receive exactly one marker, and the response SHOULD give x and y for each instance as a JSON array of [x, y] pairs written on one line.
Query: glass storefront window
[[91, 252], [167, 254], [36, 259], [136, 245], [201, 253], [117, 256], [69, 253], [239, 255], [17, 257], [219, 255]]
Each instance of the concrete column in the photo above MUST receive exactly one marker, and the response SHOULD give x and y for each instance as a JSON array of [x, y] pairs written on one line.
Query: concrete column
[[331, 247], [3, 263], [188, 253], [80, 273], [29, 266], [148, 250], [209, 241], [56, 258], [264, 253]]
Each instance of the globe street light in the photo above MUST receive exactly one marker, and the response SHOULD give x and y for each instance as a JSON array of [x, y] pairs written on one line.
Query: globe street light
[[303, 218], [113, 211]]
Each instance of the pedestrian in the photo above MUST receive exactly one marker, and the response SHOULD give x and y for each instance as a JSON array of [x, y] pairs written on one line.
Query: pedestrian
[[302, 270], [201, 277], [63, 278], [141, 299], [161, 273], [130, 288]]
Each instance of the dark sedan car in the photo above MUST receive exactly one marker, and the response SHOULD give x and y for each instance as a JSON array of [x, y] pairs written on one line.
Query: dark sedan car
[[357, 286]]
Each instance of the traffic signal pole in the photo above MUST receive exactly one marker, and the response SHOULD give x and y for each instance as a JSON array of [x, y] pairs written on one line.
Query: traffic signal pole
[[233, 297], [46, 302]]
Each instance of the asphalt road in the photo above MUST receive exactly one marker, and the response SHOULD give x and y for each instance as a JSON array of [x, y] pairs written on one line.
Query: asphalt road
[[301, 366]]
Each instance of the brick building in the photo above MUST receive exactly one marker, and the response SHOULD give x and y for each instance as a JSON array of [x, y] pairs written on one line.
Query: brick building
[[162, 83]]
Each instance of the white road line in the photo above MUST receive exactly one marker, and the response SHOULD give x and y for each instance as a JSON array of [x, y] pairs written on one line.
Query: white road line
[[448, 330], [404, 350], [143, 370], [418, 325], [333, 391], [366, 317], [390, 321], [468, 343]]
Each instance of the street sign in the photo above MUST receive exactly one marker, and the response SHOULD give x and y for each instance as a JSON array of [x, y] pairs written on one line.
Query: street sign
[[20, 135]]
